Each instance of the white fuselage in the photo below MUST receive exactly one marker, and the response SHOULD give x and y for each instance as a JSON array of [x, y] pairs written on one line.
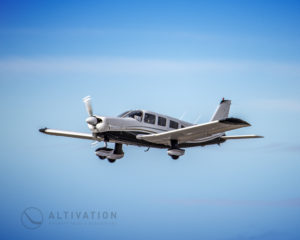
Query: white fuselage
[[158, 123]]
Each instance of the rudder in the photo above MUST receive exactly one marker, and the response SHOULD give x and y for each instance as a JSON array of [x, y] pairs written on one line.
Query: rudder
[[222, 110]]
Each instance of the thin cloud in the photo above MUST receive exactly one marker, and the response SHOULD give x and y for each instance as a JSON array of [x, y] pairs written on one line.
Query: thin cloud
[[294, 148], [278, 147], [144, 66], [231, 202], [278, 104], [271, 234]]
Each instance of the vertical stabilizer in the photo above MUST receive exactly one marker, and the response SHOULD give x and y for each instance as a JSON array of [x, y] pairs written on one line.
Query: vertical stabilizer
[[222, 110]]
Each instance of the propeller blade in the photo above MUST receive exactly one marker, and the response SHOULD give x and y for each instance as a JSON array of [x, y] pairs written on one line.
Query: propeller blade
[[88, 105], [95, 143]]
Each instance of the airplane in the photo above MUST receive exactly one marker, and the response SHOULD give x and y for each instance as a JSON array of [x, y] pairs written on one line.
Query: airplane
[[152, 130]]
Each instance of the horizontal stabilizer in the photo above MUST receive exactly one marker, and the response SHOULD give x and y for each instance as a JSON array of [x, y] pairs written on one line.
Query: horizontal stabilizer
[[241, 137], [88, 136]]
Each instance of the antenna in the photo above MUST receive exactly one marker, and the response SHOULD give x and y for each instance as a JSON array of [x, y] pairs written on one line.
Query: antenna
[[198, 118], [182, 116]]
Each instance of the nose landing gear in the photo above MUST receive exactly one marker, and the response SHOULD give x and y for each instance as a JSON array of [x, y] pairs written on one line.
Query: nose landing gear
[[111, 160], [111, 154]]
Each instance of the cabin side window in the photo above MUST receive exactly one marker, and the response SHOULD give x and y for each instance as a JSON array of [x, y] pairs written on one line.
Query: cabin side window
[[149, 118], [162, 121], [173, 124]]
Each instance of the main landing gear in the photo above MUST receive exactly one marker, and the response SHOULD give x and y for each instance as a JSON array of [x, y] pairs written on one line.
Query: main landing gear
[[175, 152]]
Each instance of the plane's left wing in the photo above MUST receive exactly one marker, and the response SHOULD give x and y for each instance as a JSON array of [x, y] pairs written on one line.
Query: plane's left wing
[[196, 131], [88, 136]]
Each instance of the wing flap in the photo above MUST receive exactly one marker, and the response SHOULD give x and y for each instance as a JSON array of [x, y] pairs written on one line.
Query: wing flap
[[62, 133], [196, 131]]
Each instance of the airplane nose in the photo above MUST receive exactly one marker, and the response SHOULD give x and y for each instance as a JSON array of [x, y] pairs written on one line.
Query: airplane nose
[[92, 121]]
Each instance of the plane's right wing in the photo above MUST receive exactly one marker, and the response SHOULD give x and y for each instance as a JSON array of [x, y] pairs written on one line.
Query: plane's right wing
[[62, 133], [195, 132]]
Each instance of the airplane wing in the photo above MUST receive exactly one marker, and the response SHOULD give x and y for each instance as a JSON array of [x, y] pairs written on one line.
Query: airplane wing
[[196, 131], [88, 136], [241, 137]]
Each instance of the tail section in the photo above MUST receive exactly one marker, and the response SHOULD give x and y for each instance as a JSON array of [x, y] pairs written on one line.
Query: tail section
[[222, 110]]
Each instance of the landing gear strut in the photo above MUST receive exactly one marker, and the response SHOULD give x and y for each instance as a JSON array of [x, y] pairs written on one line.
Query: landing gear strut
[[106, 139], [175, 152], [104, 152]]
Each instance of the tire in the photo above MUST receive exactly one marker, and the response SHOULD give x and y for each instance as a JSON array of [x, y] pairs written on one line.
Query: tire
[[111, 160], [174, 157], [102, 158]]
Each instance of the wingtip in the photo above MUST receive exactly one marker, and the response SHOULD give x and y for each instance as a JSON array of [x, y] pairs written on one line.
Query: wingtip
[[43, 130], [235, 121]]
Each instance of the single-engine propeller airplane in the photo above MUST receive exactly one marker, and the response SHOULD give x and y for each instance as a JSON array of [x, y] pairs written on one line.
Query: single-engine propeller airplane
[[153, 130]]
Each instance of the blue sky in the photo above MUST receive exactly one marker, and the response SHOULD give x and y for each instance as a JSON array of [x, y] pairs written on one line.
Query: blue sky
[[172, 57]]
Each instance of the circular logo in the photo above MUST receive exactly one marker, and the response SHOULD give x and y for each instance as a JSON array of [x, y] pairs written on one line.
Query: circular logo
[[32, 218]]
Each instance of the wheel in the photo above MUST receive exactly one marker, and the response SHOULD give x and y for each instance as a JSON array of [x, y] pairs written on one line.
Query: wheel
[[102, 158], [174, 157], [111, 160]]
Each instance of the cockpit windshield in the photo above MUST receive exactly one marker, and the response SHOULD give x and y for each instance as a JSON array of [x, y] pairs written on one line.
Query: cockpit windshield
[[138, 115], [123, 114]]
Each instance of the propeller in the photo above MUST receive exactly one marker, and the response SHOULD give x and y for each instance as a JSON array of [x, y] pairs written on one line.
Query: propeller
[[88, 105], [91, 120]]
